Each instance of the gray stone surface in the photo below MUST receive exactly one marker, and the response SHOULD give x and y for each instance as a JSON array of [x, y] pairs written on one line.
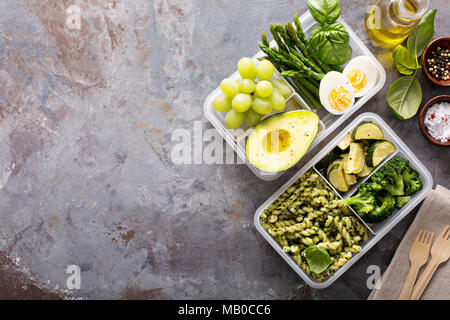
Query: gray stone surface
[[86, 178]]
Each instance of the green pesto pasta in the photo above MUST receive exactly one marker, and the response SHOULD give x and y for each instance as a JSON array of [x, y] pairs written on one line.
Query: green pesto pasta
[[309, 213]]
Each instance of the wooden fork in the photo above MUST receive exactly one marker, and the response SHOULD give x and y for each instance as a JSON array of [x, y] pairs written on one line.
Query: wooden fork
[[440, 252], [418, 256]]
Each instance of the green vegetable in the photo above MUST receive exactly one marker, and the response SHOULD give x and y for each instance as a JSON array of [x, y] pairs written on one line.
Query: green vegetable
[[368, 131], [401, 201], [318, 258], [335, 32], [330, 38], [292, 43], [286, 60], [390, 177], [385, 208], [412, 181], [364, 201], [379, 151], [404, 61], [335, 53], [404, 97], [391, 186], [405, 94], [325, 11], [303, 39], [422, 34]]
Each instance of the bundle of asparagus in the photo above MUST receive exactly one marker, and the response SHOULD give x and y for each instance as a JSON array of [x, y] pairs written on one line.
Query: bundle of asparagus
[[296, 60]]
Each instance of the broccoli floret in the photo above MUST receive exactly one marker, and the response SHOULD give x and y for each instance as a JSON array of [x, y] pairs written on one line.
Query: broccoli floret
[[383, 210], [401, 201], [390, 176], [364, 201], [412, 181]]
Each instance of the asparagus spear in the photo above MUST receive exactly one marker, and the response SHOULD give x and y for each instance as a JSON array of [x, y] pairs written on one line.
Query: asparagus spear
[[286, 59], [304, 93], [300, 37], [308, 62], [298, 75], [277, 39], [264, 40], [308, 95]]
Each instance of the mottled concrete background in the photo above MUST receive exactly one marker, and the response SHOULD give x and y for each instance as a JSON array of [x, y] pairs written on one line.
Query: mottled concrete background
[[86, 118]]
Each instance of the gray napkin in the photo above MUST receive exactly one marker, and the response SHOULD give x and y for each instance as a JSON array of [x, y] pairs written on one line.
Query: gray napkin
[[434, 215]]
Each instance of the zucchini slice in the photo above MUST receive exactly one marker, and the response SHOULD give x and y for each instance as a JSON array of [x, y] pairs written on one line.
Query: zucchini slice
[[335, 162], [337, 179], [366, 171], [345, 166], [345, 143], [356, 160], [350, 179], [379, 151], [369, 131]]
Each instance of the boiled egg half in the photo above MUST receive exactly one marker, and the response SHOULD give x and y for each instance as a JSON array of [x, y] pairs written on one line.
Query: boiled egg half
[[362, 74], [336, 93]]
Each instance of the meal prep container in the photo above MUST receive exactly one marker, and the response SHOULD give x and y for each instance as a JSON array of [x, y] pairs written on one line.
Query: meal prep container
[[376, 231], [328, 121]]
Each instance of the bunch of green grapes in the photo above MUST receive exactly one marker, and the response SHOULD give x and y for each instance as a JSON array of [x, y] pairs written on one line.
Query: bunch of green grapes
[[255, 94]]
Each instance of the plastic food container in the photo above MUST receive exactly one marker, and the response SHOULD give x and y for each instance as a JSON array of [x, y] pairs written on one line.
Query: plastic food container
[[328, 122], [376, 231]]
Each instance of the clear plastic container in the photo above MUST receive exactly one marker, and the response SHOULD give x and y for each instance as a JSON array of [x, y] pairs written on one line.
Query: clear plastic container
[[377, 231], [328, 121]]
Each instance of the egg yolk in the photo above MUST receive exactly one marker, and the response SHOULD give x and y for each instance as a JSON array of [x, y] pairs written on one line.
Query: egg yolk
[[357, 79], [339, 98]]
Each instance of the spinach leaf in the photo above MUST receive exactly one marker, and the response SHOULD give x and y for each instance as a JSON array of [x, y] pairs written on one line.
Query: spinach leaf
[[404, 97], [335, 53], [335, 32], [404, 61], [325, 11], [422, 34], [318, 258]]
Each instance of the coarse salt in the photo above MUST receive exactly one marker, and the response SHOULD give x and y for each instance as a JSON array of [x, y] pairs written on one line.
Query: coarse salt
[[437, 121]]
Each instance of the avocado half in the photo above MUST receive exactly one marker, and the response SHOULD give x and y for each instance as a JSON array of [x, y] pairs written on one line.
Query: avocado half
[[279, 142]]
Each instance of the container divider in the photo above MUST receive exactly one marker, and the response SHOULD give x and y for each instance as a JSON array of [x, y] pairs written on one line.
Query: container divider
[[340, 196]]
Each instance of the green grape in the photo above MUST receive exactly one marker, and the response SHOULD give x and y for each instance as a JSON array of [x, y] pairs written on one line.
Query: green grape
[[262, 105], [277, 100], [246, 68], [230, 87], [222, 103], [264, 89], [252, 117], [282, 87], [246, 86], [242, 102], [234, 119], [264, 70]]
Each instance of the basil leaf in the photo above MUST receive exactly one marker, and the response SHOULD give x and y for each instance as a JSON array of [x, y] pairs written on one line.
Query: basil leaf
[[335, 53], [404, 97], [325, 11], [422, 34], [335, 32], [318, 36], [404, 61], [318, 258], [338, 33]]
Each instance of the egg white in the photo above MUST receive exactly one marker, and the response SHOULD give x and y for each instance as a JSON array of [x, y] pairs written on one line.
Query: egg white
[[368, 68], [330, 81]]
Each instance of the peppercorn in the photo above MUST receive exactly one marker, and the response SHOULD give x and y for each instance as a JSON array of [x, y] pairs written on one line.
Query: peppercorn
[[438, 64]]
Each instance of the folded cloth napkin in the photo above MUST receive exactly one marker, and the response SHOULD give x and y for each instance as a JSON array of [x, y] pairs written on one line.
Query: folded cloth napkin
[[434, 215]]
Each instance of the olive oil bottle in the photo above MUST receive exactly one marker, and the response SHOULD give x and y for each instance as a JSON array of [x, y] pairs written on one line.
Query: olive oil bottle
[[389, 22]]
